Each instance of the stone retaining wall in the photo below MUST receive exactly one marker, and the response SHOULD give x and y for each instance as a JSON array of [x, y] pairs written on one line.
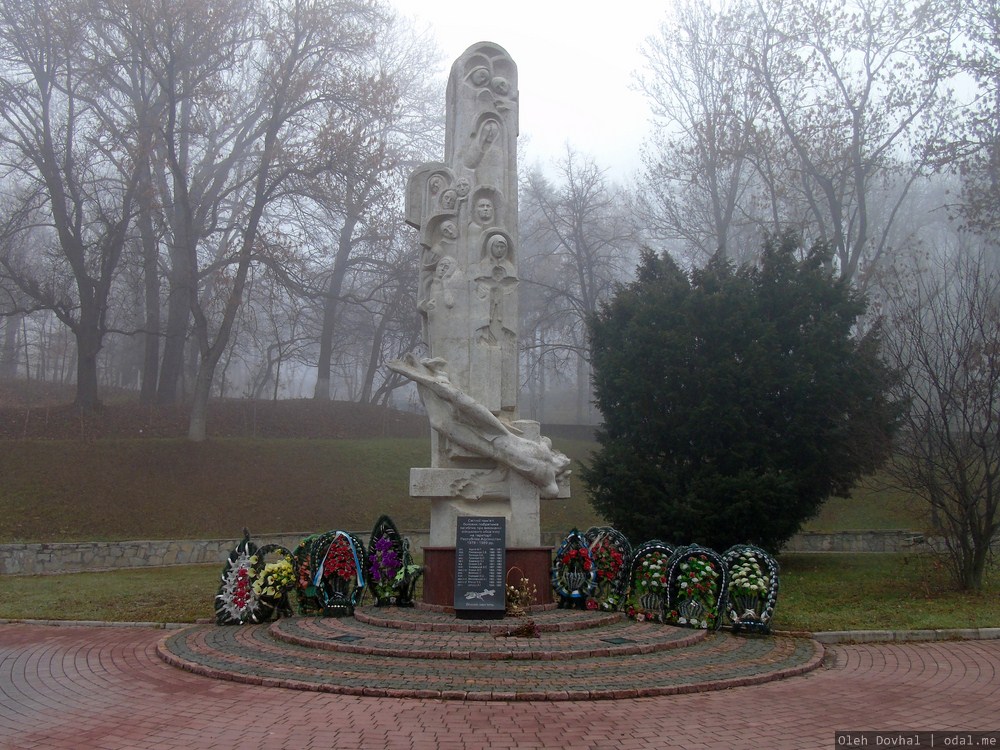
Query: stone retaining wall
[[24, 559], [858, 541], [74, 557]]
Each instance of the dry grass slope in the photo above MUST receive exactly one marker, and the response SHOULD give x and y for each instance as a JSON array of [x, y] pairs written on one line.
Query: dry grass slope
[[127, 472]]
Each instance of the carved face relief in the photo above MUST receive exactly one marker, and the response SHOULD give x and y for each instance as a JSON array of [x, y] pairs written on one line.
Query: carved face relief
[[437, 182], [480, 76], [463, 186], [484, 211], [445, 267], [448, 199], [498, 247], [500, 85], [449, 230]]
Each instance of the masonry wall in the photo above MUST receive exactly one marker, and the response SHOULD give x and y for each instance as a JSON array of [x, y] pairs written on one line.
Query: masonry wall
[[24, 559]]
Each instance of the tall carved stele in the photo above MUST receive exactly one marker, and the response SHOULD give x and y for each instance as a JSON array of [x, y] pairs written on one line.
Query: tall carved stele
[[485, 461]]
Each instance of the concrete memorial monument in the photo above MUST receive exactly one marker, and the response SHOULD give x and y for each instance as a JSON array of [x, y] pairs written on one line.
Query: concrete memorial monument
[[485, 461]]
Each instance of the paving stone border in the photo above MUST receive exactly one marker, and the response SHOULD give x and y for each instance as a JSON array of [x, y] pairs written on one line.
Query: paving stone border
[[828, 637], [907, 636]]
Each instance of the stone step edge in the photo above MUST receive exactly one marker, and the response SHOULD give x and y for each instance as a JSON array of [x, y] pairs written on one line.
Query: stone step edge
[[446, 610], [608, 650], [484, 626], [490, 695]]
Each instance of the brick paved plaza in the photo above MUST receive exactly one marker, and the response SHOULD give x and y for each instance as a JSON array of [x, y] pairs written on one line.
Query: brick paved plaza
[[105, 687]]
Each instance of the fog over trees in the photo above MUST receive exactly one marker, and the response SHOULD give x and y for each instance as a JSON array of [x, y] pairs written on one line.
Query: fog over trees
[[579, 238], [204, 198], [205, 194]]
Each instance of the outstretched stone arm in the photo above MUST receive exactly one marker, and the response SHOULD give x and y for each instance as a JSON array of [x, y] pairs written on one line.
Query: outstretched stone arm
[[467, 423]]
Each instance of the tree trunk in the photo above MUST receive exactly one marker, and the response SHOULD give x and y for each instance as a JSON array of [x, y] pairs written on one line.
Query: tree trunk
[[88, 345], [198, 421], [582, 390], [8, 354], [151, 290], [273, 354], [151, 344], [974, 568], [374, 360], [183, 250], [178, 317], [322, 390], [542, 385], [344, 245]]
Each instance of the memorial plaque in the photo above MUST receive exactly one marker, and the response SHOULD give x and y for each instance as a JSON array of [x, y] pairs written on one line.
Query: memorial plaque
[[480, 567]]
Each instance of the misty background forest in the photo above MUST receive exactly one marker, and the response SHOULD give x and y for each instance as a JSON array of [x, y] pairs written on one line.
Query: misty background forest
[[203, 199]]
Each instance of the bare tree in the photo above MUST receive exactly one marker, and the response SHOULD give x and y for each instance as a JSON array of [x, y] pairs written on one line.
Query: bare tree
[[275, 335], [820, 115], [69, 168], [944, 342], [357, 202], [974, 145], [578, 240], [136, 33], [856, 91], [244, 93], [699, 167], [353, 205], [198, 56]]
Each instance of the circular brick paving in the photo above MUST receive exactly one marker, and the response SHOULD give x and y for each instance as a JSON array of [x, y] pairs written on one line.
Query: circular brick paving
[[423, 654], [104, 688]]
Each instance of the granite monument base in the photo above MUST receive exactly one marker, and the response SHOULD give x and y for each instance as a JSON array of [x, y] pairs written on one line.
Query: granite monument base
[[535, 563]]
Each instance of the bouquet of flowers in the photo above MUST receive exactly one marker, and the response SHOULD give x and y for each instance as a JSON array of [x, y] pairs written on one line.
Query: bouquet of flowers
[[576, 558], [384, 565], [751, 597], [520, 595], [649, 586], [608, 559], [573, 574], [651, 576], [237, 603], [339, 560], [746, 577], [274, 579], [240, 591], [696, 593]]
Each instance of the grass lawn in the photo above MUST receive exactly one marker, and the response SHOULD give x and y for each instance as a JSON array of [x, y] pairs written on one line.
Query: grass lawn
[[174, 594], [878, 592], [107, 490], [162, 488], [818, 592], [170, 488], [872, 506]]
